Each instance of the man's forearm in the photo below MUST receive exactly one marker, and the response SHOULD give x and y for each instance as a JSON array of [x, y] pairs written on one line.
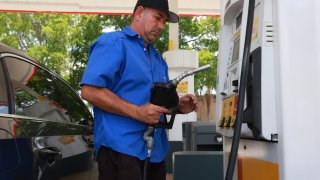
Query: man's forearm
[[108, 101]]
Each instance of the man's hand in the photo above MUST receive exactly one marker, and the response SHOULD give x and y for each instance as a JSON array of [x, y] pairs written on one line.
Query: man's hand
[[150, 113], [187, 104]]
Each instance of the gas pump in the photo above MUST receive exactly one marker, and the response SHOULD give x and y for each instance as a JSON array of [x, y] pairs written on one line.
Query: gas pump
[[246, 97]]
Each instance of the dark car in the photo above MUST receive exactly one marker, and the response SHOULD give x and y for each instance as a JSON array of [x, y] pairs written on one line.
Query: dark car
[[45, 128]]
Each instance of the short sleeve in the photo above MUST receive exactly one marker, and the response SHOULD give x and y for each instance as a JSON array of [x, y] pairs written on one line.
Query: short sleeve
[[104, 63]]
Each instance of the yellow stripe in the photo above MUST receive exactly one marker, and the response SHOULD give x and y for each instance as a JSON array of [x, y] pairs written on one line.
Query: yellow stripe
[[171, 45], [256, 169]]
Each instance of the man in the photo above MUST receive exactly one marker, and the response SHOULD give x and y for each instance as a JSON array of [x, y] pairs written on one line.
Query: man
[[123, 66]]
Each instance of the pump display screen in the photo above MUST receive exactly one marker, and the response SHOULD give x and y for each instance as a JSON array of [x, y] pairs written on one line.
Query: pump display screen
[[235, 51]]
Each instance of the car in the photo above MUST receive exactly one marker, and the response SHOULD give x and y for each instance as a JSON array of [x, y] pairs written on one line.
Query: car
[[46, 129]]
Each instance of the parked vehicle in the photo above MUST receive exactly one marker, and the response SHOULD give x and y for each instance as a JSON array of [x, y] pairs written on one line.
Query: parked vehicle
[[45, 128]]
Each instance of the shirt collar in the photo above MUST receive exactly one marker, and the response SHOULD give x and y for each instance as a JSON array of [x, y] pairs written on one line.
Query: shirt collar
[[127, 30]]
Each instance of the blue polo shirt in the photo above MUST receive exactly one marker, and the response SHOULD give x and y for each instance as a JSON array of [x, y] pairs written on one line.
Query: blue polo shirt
[[119, 61]]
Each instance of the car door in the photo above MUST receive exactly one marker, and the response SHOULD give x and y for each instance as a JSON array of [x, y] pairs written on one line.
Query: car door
[[82, 117], [58, 135]]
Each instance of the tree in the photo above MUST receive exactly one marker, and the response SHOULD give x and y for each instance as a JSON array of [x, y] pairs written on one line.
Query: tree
[[42, 36], [86, 30], [201, 34], [206, 79]]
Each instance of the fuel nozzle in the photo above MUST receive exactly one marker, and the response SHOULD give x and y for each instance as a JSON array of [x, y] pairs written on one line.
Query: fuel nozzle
[[165, 94], [176, 81]]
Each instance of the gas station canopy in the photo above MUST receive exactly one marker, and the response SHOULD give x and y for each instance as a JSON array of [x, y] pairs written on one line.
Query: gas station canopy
[[114, 7]]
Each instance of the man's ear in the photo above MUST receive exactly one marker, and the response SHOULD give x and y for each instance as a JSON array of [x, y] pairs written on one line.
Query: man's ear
[[139, 11]]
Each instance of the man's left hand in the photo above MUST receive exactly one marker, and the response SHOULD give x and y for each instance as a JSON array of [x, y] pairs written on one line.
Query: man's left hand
[[187, 104]]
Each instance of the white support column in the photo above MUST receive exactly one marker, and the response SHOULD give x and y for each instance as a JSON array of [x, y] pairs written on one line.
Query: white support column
[[173, 28]]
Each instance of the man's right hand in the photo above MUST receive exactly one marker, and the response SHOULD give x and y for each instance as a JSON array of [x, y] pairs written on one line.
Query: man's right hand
[[150, 113]]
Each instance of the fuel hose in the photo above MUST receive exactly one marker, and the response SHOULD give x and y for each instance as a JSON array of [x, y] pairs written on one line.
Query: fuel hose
[[241, 100]]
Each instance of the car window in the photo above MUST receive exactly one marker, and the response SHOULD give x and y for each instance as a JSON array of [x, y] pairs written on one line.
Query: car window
[[35, 92], [3, 92], [78, 111]]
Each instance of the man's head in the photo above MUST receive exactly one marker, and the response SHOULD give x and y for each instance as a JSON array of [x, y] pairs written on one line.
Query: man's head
[[150, 17]]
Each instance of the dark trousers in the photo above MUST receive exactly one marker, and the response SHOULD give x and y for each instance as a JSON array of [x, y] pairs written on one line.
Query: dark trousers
[[113, 165]]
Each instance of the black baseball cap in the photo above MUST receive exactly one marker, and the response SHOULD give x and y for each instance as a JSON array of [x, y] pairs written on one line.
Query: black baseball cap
[[161, 5]]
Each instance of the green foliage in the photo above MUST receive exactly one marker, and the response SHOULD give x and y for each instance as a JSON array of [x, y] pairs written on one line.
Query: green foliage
[[85, 31], [61, 41], [118, 22], [201, 34], [42, 36], [206, 78]]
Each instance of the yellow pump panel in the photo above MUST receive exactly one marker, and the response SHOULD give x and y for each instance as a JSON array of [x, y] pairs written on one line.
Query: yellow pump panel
[[254, 169]]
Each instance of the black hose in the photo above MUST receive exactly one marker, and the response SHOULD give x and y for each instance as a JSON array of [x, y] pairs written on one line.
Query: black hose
[[243, 84], [145, 168], [148, 137]]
